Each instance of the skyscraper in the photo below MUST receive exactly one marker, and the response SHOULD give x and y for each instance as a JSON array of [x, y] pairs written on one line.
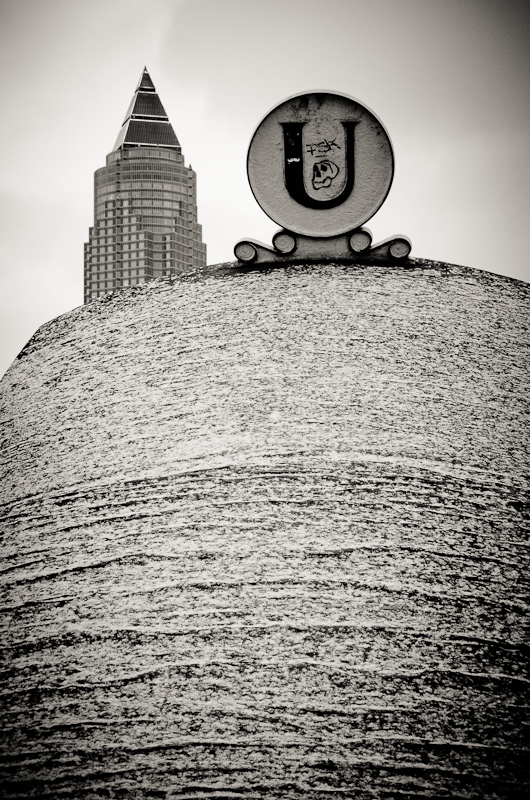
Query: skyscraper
[[145, 204]]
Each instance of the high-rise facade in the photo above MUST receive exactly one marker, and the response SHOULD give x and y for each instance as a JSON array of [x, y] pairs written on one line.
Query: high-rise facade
[[145, 204]]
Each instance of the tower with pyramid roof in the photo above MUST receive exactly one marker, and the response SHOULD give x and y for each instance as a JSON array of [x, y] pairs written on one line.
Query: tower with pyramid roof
[[145, 204]]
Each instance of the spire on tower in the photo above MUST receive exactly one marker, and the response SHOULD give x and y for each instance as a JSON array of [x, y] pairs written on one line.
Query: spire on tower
[[145, 83], [146, 123]]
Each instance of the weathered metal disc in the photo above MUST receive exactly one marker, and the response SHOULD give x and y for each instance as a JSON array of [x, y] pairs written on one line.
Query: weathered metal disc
[[320, 164]]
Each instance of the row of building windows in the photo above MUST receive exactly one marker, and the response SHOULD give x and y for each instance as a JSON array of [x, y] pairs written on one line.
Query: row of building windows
[[109, 278], [111, 226], [163, 207], [176, 164], [123, 233], [104, 215], [143, 175], [152, 269], [98, 266], [180, 219], [122, 213], [106, 237], [111, 259], [101, 255], [173, 203], [151, 193], [133, 268], [105, 226], [99, 240], [146, 154], [156, 226], [149, 252], [100, 249], [158, 183], [148, 165], [157, 211], [153, 174], [111, 192]]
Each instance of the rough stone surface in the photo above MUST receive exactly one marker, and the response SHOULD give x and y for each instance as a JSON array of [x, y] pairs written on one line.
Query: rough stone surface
[[264, 536]]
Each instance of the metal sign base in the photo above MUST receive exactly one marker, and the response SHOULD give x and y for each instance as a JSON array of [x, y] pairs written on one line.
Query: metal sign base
[[355, 246]]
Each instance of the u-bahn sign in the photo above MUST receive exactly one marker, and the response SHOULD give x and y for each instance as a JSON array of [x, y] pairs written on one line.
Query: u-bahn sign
[[320, 165]]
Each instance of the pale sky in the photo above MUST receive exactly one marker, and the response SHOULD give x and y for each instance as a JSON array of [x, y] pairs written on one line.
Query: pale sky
[[448, 78]]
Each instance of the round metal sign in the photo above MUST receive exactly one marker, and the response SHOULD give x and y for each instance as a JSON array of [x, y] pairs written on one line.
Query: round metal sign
[[320, 164]]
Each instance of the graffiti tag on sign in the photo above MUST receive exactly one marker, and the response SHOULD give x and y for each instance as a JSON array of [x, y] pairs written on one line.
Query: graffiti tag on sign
[[323, 174], [322, 147]]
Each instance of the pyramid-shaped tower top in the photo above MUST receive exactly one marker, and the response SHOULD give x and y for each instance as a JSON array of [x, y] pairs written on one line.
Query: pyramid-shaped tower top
[[146, 123], [145, 83]]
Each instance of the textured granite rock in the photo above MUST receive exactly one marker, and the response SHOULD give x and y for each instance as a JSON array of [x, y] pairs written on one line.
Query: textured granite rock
[[264, 535]]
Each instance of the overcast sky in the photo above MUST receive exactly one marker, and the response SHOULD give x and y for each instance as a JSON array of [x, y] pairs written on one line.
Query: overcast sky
[[448, 78]]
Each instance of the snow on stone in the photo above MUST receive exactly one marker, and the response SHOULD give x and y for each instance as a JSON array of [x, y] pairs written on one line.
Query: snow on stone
[[263, 535]]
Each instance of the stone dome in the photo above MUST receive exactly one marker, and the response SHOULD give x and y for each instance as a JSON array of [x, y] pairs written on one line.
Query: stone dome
[[264, 536]]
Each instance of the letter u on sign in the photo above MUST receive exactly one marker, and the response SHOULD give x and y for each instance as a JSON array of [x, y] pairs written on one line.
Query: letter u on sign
[[294, 165]]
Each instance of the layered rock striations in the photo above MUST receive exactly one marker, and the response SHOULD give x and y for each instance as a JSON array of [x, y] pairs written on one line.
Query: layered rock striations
[[264, 536]]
